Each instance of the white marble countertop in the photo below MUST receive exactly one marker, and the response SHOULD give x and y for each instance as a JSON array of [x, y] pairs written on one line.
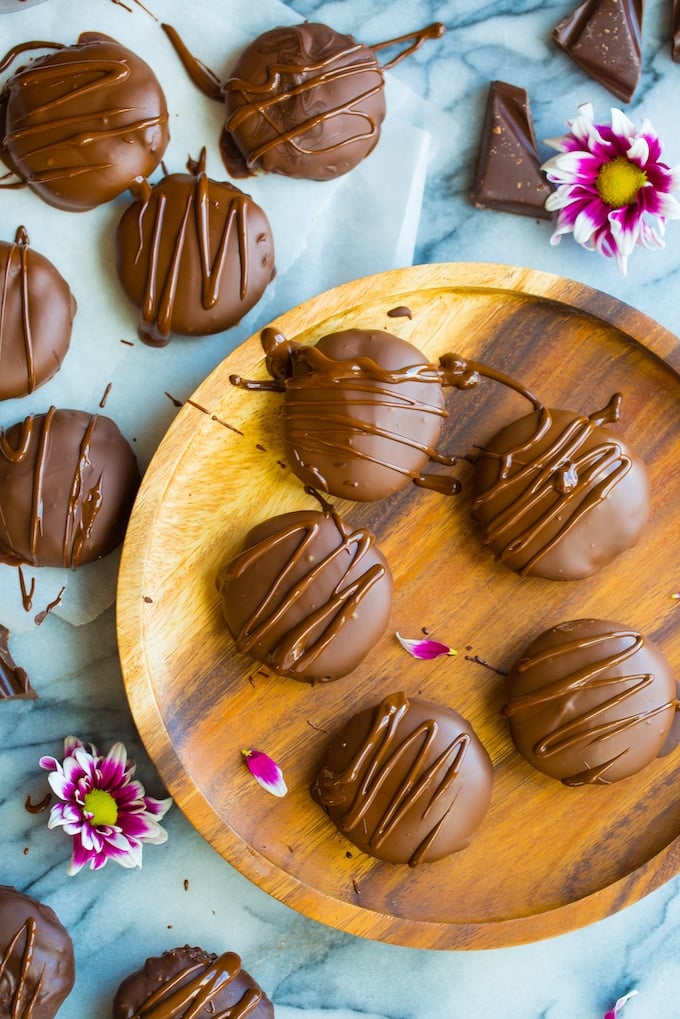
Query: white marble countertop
[[185, 891]]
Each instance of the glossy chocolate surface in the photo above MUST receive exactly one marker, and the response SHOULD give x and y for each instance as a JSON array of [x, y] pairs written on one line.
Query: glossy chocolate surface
[[406, 781], [194, 984], [604, 37], [302, 101], [193, 254], [67, 483], [362, 412], [307, 595], [36, 314], [81, 123], [507, 172], [559, 495], [14, 681], [37, 968], [591, 702]]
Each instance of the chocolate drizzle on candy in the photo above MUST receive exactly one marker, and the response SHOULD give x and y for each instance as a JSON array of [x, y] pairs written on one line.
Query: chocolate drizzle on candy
[[302, 100], [79, 125], [591, 702], [186, 982], [67, 483], [362, 411], [37, 967], [14, 681], [193, 254], [406, 781], [307, 595], [36, 314], [558, 495]]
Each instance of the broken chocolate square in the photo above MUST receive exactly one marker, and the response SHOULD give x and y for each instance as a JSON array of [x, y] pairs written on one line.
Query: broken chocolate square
[[604, 37]]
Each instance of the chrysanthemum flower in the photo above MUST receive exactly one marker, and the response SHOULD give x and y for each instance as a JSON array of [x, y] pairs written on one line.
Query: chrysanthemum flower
[[105, 812], [613, 191]]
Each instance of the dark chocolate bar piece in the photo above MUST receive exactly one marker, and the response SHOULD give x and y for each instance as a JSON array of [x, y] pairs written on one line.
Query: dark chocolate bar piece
[[604, 37], [14, 681], [508, 177], [675, 40]]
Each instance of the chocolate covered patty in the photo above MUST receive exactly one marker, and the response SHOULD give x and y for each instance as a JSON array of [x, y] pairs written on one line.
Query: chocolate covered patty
[[406, 781], [193, 254], [67, 483], [302, 101], [80, 124], [37, 968], [362, 411], [559, 495], [307, 595], [192, 983], [591, 702], [36, 314]]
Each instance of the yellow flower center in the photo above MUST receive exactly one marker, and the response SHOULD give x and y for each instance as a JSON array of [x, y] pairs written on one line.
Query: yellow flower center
[[101, 807], [619, 181]]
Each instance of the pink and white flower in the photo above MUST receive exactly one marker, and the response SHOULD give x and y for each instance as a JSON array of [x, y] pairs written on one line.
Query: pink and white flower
[[613, 191], [106, 813]]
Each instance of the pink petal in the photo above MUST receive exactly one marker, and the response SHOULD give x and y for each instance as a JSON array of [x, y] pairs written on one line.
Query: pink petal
[[614, 1012], [265, 771], [425, 649]]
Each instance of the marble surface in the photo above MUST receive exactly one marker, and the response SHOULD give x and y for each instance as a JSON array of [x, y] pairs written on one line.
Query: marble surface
[[185, 892]]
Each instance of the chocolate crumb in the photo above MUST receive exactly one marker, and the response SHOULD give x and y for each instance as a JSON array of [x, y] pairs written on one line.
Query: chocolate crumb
[[186, 884], [400, 312]]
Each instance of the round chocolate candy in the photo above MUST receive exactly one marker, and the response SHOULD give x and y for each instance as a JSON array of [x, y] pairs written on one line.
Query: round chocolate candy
[[36, 315], [406, 781], [80, 124], [67, 483], [307, 595], [591, 702], [193, 254], [362, 411], [37, 966], [189, 981], [558, 495], [302, 101]]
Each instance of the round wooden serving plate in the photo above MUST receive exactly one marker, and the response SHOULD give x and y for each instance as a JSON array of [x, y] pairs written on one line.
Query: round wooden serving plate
[[547, 859]]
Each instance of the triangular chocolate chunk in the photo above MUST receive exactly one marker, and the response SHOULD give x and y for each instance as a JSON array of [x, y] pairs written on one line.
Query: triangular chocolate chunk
[[507, 174], [604, 37], [14, 681]]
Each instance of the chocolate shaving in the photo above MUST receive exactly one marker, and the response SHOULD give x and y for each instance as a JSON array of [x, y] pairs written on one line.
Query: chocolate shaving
[[38, 808], [508, 176], [14, 681], [604, 37]]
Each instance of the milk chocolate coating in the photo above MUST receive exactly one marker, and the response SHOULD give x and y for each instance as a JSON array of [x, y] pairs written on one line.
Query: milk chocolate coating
[[558, 495], [14, 681], [307, 595], [191, 982], [302, 101], [604, 37], [591, 702], [193, 254], [37, 968], [508, 177], [83, 122], [362, 412], [406, 781], [67, 483], [36, 314]]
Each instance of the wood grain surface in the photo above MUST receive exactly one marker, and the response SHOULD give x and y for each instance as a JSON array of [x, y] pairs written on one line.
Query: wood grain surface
[[547, 859]]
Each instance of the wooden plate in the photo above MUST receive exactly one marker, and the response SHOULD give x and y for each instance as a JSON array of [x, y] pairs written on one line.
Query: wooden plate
[[547, 859]]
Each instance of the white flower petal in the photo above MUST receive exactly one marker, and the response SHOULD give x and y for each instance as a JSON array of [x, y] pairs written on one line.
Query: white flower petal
[[638, 152], [621, 125]]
